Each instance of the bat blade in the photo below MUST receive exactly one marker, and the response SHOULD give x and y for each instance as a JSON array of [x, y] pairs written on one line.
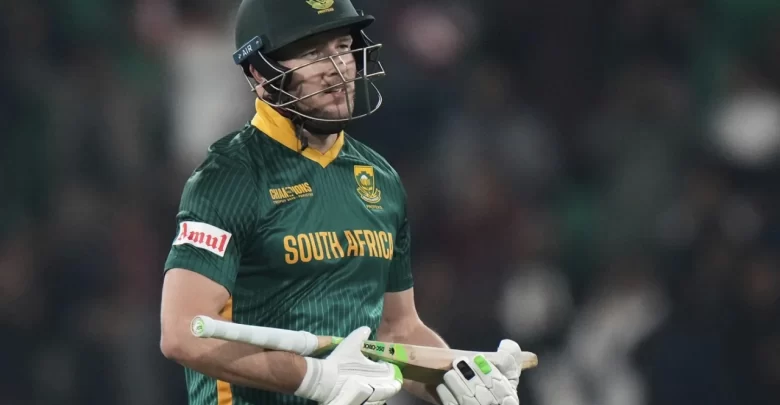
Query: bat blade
[[418, 363], [428, 364]]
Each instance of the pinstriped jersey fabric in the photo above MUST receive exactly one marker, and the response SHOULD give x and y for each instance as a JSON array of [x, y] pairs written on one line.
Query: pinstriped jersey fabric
[[300, 243]]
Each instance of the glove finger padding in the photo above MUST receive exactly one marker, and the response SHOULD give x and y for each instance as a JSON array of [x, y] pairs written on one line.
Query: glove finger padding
[[459, 388], [493, 378], [476, 382], [445, 395], [466, 385], [508, 365]]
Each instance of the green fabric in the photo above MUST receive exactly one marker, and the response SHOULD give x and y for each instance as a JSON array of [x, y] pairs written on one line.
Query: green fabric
[[306, 251]]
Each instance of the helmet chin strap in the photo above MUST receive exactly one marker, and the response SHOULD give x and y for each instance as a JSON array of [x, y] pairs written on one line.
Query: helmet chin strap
[[322, 128], [313, 126], [316, 127]]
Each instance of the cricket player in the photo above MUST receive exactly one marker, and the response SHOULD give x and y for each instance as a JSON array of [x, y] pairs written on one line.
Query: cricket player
[[291, 223]]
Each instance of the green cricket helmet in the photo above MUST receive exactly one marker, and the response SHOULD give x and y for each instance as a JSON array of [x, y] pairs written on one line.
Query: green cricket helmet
[[263, 27]]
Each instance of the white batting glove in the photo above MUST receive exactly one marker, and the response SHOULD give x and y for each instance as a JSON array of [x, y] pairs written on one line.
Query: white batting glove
[[347, 377], [479, 382], [509, 365]]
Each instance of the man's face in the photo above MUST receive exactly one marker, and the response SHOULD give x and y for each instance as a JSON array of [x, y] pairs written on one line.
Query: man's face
[[336, 103]]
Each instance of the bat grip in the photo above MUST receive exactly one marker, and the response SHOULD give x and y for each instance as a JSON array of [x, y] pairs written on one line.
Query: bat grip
[[300, 342]]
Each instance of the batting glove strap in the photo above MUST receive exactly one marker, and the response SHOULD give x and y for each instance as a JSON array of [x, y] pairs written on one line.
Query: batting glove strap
[[320, 381]]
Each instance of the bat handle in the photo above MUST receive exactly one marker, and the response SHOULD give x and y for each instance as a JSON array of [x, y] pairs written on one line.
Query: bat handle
[[202, 326], [300, 342]]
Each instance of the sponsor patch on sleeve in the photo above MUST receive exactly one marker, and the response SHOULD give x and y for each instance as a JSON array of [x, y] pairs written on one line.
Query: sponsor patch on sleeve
[[203, 236]]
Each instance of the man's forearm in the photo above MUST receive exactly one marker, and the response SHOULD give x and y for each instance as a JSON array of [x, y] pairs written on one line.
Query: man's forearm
[[242, 364], [250, 367], [423, 336]]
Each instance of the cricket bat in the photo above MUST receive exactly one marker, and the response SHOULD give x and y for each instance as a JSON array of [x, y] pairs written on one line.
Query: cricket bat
[[418, 363]]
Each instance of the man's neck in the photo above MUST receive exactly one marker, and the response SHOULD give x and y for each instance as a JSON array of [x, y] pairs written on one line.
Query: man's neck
[[320, 143]]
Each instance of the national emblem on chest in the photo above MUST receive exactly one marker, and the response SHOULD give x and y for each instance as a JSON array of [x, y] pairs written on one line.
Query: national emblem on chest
[[344, 213], [365, 177]]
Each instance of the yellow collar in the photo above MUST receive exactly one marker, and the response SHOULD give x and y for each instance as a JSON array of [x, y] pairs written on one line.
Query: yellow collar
[[281, 129]]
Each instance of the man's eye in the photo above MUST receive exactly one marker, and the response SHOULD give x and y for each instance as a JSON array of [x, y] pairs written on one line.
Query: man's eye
[[311, 54]]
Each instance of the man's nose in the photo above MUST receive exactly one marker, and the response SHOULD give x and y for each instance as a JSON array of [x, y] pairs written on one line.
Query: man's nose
[[336, 64]]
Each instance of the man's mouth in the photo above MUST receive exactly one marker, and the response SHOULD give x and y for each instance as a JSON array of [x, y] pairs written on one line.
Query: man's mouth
[[338, 89]]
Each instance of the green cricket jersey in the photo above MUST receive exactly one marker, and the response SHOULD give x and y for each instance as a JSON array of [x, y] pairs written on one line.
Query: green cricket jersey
[[301, 240]]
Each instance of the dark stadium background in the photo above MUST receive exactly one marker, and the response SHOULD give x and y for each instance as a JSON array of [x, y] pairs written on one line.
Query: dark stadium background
[[596, 179]]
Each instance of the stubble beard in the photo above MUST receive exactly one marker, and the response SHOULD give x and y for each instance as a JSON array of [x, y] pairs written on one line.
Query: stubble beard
[[343, 110]]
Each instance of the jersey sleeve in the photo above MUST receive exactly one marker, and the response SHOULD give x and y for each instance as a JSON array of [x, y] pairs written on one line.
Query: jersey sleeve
[[215, 220], [400, 277]]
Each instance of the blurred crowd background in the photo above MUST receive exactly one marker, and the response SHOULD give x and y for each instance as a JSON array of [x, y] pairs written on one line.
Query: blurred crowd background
[[597, 180]]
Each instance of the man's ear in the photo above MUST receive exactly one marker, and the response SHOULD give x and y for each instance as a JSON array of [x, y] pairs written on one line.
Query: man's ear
[[255, 74], [259, 88]]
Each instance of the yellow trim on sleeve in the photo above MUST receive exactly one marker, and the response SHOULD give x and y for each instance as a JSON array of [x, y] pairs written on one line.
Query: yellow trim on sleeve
[[224, 392], [281, 129]]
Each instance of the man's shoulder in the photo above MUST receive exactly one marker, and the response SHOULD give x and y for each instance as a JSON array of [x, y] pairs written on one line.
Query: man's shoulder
[[236, 144], [232, 155], [370, 155], [237, 149]]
